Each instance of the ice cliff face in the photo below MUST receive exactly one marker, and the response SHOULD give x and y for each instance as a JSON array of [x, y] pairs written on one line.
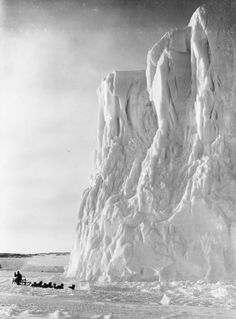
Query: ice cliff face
[[162, 203]]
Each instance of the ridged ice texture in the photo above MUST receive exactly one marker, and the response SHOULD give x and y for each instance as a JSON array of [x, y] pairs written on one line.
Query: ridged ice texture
[[162, 203]]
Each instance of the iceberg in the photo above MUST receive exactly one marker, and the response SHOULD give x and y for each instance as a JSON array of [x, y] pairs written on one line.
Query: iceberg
[[161, 204]]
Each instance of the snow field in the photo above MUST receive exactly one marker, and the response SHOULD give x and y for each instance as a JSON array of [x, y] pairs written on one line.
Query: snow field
[[116, 300]]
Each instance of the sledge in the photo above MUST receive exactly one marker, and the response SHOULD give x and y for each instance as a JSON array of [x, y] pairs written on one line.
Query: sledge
[[23, 281]]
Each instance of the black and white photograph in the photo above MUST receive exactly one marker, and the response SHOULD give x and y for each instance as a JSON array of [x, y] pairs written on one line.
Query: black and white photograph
[[117, 159]]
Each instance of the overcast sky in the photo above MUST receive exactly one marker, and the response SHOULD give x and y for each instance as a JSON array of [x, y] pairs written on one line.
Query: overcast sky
[[53, 56]]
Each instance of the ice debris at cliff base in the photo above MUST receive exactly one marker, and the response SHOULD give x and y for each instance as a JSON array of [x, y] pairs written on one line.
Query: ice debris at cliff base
[[162, 201], [144, 300]]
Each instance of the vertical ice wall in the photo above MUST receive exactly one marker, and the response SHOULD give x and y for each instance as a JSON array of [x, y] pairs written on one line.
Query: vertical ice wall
[[162, 203], [127, 124]]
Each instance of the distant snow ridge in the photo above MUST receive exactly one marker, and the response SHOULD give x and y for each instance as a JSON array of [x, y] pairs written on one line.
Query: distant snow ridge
[[162, 203]]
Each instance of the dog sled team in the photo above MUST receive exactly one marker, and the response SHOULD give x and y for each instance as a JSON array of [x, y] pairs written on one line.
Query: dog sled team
[[19, 279]]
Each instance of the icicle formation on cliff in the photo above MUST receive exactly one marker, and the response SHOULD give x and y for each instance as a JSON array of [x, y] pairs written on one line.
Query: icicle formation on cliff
[[162, 203]]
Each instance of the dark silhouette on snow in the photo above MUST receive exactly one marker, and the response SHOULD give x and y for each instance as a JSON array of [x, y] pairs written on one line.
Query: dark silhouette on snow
[[17, 278], [61, 286], [34, 284], [49, 285], [72, 287], [39, 284], [21, 280]]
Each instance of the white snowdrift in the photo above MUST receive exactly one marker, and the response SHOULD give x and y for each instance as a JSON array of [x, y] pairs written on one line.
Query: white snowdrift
[[162, 203]]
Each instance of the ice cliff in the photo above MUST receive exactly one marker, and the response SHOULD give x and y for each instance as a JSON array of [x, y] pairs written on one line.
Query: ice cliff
[[162, 202]]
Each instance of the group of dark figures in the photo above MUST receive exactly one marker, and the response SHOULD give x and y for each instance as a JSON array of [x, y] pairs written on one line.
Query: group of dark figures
[[21, 280], [50, 285]]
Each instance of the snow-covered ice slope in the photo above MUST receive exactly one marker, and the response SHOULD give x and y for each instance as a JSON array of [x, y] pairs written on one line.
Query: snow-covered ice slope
[[162, 203]]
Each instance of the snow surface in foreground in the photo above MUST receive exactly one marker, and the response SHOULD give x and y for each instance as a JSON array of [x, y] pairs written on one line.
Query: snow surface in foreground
[[116, 300]]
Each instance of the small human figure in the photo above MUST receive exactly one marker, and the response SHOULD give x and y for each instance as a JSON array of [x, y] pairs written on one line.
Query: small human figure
[[18, 278]]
